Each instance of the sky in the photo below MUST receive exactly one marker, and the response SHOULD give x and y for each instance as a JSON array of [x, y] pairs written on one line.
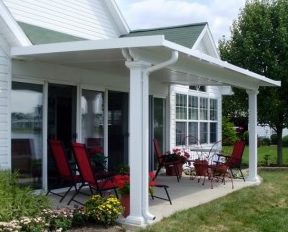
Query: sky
[[219, 14]]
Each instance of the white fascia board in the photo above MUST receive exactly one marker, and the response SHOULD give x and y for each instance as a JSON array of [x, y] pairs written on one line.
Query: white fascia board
[[13, 26], [223, 64], [117, 16], [89, 45]]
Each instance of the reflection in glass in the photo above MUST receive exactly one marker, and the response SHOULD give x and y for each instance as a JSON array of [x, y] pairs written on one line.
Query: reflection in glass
[[181, 106], [92, 114], [193, 133], [203, 132], [26, 132], [180, 133], [213, 132], [203, 108]]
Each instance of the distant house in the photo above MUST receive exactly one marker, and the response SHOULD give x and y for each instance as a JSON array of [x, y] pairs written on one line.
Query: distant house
[[73, 70]]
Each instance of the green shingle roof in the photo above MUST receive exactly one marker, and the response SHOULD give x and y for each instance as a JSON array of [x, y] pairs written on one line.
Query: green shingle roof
[[185, 35], [39, 35]]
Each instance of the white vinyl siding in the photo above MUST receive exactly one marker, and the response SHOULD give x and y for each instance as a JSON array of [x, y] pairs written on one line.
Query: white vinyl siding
[[89, 19], [5, 86]]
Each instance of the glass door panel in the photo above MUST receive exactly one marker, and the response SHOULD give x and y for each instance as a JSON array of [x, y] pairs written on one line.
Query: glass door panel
[[92, 119], [61, 124], [117, 130], [26, 132]]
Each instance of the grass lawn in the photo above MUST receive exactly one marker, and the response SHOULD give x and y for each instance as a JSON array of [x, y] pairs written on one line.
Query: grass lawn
[[260, 208], [262, 151]]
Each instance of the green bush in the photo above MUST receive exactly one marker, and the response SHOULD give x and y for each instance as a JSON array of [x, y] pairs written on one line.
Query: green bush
[[264, 141], [285, 141], [274, 139], [16, 201], [246, 137], [229, 133]]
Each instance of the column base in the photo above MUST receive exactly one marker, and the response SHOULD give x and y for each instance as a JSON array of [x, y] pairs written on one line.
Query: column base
[[256, 179], [135, 221]]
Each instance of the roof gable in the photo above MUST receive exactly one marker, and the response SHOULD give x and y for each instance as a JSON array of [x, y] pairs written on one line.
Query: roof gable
[[206, 44], [185, 35], [38, 35]]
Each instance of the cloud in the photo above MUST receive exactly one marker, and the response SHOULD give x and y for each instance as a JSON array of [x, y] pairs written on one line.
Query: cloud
[[158, 13]]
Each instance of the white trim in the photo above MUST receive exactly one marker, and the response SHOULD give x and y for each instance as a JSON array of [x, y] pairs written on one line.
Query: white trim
[[45, 138], [78, 114], [106, 124], [144, 42], [13, 26], [199, 39], [90, 45], [9, 121], [93, 88], [26, 79], [117, 16], [223, 64], [206, 32]]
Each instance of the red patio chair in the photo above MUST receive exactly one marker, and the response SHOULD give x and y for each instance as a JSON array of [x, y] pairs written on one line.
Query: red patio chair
[[222, 170], [95, 182], [152, 183], [65, 174], [233, 161], [163, 162]]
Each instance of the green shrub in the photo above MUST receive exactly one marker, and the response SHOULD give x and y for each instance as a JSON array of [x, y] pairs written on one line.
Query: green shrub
[[264, 141], [285, 141], [103, 210], [274, 139], [246, 137], [16, 201], [229, 133]]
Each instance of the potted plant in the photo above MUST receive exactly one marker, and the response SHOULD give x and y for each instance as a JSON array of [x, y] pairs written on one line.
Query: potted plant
[[123, 183], [178, 156]]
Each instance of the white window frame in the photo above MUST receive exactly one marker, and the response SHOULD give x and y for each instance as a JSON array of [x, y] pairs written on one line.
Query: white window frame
[[199, 120]]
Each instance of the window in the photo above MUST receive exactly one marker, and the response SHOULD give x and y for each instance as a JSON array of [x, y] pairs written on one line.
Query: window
[[196, 118], [213, 109], [181, 106], [193, 108], [213, 132], [203, 108], [201, 88], [180, 133]]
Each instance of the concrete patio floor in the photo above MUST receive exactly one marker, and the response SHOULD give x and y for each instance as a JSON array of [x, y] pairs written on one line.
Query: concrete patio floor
[[184, 195]]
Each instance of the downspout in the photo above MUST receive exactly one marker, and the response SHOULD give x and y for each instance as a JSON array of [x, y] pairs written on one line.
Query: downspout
[[129, 55], [147, 215]]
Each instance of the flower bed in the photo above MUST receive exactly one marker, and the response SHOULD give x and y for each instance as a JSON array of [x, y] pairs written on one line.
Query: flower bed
[[97, 210]]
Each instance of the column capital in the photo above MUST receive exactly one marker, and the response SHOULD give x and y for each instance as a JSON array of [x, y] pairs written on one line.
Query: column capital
[[252, 91], [139, 64]]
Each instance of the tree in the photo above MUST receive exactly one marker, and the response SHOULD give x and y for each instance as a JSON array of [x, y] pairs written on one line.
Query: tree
[[259, 42]]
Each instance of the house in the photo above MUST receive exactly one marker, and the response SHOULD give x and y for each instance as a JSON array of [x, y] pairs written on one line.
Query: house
[[73, 70]]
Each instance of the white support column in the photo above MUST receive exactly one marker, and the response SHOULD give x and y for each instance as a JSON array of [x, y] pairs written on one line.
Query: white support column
[[252, 127], [138, 142]]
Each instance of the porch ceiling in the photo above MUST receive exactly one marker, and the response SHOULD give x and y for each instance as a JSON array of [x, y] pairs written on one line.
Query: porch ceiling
[[192, 68]]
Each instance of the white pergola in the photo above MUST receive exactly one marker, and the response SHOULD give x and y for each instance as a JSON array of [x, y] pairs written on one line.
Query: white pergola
[[151, 57]]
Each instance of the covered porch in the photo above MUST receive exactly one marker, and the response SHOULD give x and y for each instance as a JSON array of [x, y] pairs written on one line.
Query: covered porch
[[148, 63], [184, 195]]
